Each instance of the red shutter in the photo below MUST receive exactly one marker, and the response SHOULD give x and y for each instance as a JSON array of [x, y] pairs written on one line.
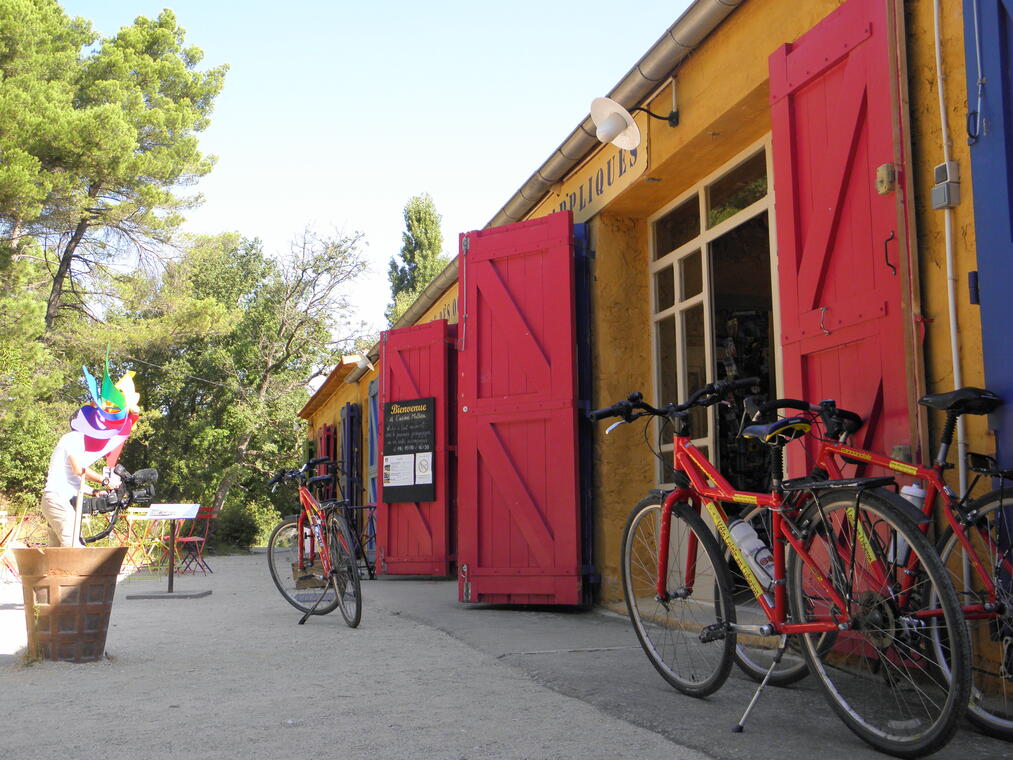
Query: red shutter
[[843, 260], [518, 509], [413, 537]]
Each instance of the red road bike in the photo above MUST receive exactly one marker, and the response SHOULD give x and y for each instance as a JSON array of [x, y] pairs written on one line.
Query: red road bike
[[975, 543], [311, 555], [833, 580]]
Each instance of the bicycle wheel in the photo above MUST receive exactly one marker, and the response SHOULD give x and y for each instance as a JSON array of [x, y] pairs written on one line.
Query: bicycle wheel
[[755, 654], [883, 676], [301, 586], [345, 572], [991, 638], [670, 631]]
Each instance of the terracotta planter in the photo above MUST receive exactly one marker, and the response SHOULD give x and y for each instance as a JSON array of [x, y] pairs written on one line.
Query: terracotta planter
[[68, 597]]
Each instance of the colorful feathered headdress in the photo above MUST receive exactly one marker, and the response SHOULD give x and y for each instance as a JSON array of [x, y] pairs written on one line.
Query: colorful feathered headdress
[[107, 421]]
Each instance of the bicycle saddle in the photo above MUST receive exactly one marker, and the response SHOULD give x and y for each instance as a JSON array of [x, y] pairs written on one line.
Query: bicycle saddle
[[787, 429], [963, 401]]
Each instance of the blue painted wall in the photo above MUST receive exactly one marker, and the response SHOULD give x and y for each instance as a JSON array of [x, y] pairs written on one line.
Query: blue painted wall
[[990, 131]]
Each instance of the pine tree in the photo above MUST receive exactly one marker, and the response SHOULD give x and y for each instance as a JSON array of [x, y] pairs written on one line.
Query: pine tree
[[421, 257]]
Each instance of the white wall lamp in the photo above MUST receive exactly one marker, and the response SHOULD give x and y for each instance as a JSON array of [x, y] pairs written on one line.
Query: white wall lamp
[[615, 124]]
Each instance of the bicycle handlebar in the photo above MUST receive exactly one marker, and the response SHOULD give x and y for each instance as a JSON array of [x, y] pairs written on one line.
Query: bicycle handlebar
[[709, 395]]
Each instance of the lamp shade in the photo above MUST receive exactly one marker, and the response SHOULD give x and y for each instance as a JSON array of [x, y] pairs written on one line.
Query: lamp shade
[[614, 124]]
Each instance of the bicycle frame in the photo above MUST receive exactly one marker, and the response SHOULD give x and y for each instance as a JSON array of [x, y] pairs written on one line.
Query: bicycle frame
[[699, 494], [932, 476], [312, 513]]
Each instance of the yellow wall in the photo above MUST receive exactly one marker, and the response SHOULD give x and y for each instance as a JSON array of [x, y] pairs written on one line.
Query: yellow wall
[[927, 152], [620, 320], [444, 308]]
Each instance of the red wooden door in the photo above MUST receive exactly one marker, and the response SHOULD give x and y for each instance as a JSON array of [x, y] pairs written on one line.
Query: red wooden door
[[518, 508], [843, 256], [326, 447], [413, 537]]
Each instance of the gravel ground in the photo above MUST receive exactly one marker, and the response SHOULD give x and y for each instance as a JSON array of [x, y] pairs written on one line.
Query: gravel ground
[[231, 675]]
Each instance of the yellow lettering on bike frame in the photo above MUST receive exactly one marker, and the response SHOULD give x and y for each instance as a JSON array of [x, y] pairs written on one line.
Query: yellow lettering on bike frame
[[863, 539], [742, 498], [856, 454], [907, 469], [740, 559]]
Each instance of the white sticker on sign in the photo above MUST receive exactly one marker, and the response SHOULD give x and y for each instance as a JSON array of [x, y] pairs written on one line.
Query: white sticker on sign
[[399, 470], [172, 511], [424, 467]]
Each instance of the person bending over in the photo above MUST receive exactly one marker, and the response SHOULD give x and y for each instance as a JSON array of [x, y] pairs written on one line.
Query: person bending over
[[68, 464]]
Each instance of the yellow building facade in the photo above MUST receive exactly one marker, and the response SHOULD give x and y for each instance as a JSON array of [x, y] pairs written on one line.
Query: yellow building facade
[[717, 166]]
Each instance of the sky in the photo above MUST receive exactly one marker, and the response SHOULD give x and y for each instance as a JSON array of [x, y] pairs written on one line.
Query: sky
[[334, 114]]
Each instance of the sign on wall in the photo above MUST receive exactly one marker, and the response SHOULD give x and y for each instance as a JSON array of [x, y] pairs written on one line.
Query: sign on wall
[[408, 445], [597, 183]]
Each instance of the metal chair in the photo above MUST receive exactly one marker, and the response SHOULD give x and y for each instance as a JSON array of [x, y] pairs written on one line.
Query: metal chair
[[191, 541]]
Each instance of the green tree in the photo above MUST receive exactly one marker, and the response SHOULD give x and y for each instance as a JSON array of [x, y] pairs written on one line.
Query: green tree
[[119, 141], [40, 49], [32, 411], [421, 257], [233, 336]]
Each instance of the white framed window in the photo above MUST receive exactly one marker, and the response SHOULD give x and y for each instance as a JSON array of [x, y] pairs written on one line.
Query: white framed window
[[713, 305]]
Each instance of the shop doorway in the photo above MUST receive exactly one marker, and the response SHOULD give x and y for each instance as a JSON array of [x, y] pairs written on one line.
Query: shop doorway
[[713, 305]]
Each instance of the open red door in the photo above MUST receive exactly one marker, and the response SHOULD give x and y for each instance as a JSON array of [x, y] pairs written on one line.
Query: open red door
[[413, 536], [842, 226], [518, 507]]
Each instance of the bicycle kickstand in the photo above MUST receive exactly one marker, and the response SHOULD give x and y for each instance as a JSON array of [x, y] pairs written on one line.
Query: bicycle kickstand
[[781, 646], [313, 609]]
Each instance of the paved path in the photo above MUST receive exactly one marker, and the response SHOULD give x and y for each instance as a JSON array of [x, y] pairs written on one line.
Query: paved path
[[232, 675]]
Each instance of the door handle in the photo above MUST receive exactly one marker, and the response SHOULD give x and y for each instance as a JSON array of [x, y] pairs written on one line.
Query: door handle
[[886, 253]]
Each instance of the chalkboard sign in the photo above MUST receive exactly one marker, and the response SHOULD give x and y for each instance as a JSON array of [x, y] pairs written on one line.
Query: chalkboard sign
[[409, 442]]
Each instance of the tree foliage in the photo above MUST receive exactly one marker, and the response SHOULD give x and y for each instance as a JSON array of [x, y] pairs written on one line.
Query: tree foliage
[[98, 139], [104, 138], [421, 257], [234, 337]]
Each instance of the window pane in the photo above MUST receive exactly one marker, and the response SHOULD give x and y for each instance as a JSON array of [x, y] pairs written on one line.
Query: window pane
[[667, 368], [743, 344], [741, 187], [677, 227], [664, 289], [696, 364], [690, 276]]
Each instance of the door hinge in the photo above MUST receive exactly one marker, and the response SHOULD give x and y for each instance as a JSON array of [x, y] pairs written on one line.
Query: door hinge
[[886, 179]]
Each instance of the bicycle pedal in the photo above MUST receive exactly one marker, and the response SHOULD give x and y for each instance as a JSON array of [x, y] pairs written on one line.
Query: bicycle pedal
[[713, 632]]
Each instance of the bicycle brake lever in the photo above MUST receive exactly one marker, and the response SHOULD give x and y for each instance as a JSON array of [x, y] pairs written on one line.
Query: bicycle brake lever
[[614, 425]]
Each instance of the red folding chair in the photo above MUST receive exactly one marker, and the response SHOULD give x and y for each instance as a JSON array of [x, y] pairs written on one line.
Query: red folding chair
[[8, 536], [190, 545]]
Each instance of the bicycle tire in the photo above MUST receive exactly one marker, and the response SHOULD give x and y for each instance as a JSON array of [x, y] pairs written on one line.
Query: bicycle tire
[[882, 676], [282, 557], [345, 570], [755, 654], [669, 632], [990, 707]]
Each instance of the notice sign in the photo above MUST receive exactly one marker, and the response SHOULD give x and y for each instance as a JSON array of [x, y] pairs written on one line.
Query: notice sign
[[409, 441], [171, 512]]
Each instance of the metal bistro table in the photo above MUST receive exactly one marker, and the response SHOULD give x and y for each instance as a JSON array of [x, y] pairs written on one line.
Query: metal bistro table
[[173, 513]]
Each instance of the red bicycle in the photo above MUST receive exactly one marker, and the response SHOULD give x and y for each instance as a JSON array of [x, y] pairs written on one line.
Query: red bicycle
[[976, 544], [310, 554], [830, 576]]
